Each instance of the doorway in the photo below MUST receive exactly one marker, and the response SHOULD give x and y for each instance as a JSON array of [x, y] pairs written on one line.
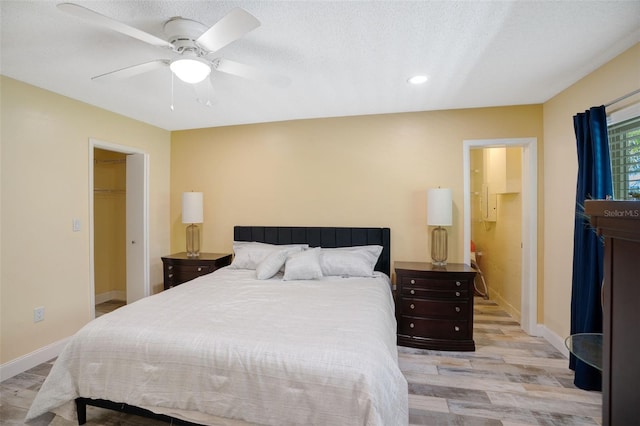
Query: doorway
[[528, 223], [118, 228], [109, 229], [496, 223]]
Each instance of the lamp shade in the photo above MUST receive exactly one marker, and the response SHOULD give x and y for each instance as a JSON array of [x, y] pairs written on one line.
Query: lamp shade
[[190, 70], [192, 211], [439, 207]]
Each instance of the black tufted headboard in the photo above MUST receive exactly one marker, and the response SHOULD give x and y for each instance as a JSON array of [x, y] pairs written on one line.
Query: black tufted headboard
[[328, 237]]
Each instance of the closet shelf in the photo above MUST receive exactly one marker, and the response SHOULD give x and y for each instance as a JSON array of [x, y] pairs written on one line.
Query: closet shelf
[[109, 191], [114, 161]]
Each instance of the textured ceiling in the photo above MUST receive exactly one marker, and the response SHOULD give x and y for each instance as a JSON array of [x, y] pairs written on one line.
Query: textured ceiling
[[342, 57]]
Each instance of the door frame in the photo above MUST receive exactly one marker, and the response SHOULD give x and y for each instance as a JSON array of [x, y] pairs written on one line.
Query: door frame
[[95, 143], [529, 278]]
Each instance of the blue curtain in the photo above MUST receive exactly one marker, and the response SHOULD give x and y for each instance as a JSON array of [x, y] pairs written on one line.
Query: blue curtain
[[594, 182]]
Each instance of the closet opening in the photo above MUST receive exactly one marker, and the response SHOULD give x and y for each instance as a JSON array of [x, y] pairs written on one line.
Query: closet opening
[[118, 228], [109, 226]]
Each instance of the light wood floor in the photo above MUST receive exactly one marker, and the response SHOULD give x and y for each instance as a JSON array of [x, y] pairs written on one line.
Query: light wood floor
[[106, 307], [511, 379]]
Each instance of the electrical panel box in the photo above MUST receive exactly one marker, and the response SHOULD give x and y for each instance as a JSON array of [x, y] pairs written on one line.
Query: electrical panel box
[[488, 204]]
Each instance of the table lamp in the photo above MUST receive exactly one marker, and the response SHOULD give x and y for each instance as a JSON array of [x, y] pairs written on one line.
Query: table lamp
[[192, 213], [439, 214]]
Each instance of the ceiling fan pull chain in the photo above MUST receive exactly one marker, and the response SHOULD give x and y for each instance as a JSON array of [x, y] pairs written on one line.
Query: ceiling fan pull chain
[[171, 91]]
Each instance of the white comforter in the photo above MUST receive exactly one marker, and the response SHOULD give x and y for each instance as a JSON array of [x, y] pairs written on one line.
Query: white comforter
[[229, 346]]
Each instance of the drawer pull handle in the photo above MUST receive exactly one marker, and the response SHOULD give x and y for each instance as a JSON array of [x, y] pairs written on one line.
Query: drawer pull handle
[[413, 291], [411, 325], [458, 283], [199, 268], [457, 308], [170, 275], [412, 306], [458, 293], [456, 328], [170, 267], [413, 281]]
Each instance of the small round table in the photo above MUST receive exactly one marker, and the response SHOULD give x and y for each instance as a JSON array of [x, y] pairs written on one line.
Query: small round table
[[586, 347]]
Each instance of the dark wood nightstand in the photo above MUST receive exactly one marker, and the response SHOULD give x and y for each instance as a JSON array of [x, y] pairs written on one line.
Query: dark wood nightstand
[[434, 306], [178, 268]]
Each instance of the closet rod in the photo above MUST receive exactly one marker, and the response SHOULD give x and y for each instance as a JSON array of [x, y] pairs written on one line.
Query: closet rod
[[622, 98], [116, 161]]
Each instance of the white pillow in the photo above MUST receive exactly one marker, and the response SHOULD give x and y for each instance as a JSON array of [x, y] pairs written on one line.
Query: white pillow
[[357, 261], [303, 266], [248, 254], [271, 264]]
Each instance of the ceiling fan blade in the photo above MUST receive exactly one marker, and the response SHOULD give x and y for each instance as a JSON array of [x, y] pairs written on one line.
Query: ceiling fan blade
[[230, 28], [112, 24], [133, 70], [246, 71]]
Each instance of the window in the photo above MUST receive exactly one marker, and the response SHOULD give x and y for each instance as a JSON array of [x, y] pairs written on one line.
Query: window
[[624, 145]]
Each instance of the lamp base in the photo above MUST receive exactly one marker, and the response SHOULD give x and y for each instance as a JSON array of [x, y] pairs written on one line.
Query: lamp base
[[193, 241], [439, 247]]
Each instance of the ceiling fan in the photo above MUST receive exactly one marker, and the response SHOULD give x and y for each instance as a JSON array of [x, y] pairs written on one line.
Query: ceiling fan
[[192, 43]]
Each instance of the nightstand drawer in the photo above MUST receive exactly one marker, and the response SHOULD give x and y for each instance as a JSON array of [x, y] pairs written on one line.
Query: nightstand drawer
[[433, 328], [179, 268], [183, 274], [434, 309], [194, 270], [434, 294], [433, 283]]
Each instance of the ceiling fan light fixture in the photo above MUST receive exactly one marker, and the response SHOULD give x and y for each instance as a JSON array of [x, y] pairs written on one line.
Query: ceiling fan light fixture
[[190, 70]]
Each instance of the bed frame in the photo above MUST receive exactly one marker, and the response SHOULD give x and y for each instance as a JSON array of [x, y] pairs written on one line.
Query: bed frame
[[329, 237]]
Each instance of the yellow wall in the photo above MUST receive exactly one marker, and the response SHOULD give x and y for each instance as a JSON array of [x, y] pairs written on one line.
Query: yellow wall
[[349, 171], [44, 186], [616, 78], [109, 223]]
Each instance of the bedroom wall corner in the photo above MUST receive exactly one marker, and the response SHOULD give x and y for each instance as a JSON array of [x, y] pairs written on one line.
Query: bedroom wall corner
[[44, 186]]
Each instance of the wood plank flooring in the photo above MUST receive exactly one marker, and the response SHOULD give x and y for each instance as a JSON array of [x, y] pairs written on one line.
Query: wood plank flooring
[[511, 379], [106, 307]]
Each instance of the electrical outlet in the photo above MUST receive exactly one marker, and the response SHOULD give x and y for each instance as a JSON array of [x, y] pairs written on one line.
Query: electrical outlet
[[38, 314]]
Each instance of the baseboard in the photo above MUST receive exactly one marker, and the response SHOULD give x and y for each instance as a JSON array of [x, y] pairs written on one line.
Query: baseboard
[[504, 304], [555, 340], [537, 330], [110, 295], [30, 360]]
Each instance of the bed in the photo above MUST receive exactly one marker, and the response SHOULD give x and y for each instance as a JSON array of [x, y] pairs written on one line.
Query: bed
[[228, 348]]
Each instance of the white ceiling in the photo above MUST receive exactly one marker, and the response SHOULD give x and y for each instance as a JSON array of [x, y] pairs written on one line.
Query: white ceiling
[[342, 57]]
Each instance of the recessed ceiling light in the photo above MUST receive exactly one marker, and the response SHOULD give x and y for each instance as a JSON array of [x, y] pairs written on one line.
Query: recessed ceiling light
[[418, 79]]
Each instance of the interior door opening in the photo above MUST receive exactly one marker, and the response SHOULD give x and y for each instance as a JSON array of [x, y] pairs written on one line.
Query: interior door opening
[[109, 225], [118, 215], [528, 223], [496, 224]]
